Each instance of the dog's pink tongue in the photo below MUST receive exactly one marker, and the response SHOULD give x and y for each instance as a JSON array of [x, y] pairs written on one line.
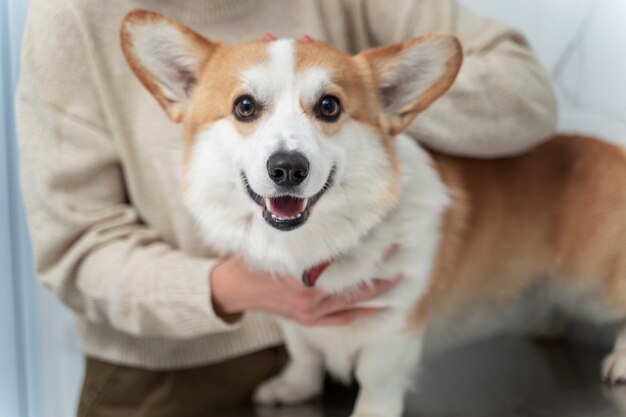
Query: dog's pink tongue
[[286, 206]]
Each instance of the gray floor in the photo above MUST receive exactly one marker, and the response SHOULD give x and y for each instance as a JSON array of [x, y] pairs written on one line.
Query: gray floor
[[501, 377]]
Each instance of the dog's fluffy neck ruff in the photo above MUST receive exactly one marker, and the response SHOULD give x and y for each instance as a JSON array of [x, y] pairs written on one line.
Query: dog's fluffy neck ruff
[[424, 200]]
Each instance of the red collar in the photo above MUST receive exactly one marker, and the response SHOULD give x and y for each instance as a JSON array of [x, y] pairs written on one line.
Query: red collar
[[310, 276]]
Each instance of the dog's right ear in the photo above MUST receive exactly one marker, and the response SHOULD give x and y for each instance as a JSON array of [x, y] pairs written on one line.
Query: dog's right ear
[[166, 56]]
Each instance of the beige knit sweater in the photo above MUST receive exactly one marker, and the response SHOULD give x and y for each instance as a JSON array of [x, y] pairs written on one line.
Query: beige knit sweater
[[101, 161]]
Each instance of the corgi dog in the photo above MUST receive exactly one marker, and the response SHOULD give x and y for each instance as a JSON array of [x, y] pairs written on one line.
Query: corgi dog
[[295, 158]]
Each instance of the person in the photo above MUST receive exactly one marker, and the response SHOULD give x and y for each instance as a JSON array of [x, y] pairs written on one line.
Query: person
[[167, 326]]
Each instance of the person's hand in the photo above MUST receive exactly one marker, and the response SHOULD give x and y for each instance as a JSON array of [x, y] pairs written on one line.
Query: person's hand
[[237, 288]]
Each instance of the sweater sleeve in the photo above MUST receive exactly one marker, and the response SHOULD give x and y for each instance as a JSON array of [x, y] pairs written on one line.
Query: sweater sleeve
[[502, 102], [90, 246]]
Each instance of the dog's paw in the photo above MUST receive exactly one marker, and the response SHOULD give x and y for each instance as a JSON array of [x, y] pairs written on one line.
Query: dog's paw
[[614, 368], [278, 391]]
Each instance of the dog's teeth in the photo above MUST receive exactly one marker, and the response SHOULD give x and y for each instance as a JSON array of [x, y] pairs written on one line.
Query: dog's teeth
[[304, 204], [267, 202], [297, 216]]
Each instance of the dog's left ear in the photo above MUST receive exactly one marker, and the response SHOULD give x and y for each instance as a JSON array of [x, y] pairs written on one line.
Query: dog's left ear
[[166, 56], [412, 74]]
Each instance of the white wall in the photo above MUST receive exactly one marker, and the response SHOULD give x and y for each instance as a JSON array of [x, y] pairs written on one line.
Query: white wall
[[11, 388], [40, 362], [583, 45]]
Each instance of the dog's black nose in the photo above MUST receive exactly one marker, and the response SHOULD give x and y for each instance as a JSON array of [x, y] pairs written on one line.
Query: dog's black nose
[[287, 169]]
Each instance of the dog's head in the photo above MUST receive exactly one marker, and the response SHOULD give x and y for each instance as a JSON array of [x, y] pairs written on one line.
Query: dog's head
[[287, 140]]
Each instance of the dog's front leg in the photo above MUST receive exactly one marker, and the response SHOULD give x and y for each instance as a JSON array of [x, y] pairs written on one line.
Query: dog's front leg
[[614, 365], [300, 380], [384, 370]]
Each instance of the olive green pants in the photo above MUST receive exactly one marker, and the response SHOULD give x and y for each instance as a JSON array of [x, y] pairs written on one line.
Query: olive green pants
[[111, 390]]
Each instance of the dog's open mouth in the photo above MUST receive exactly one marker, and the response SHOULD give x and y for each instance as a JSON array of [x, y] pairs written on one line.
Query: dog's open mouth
[[287, 212]]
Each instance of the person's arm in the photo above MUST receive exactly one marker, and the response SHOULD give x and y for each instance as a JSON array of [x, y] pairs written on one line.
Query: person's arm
[[502, 102], [89, 243]]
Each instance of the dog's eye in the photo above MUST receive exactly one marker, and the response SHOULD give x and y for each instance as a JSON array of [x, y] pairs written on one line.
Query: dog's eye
[[245, 108], [328, 109]]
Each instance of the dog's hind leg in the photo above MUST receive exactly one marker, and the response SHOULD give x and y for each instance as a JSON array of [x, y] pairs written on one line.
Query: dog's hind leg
[[614, 365], [384, 370]]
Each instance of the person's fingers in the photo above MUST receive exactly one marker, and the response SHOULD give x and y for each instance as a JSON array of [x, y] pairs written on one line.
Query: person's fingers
[[308, 300], [332, 304], [287, 281], [373, 289], [345, 317]]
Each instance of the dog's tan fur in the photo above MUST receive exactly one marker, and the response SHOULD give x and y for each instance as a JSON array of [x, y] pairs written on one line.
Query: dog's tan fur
[[220, 85], [555, 215]]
